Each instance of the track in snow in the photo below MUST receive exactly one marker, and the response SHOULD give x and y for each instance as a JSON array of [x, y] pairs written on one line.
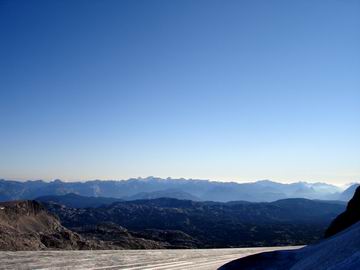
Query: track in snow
[[189, 259]]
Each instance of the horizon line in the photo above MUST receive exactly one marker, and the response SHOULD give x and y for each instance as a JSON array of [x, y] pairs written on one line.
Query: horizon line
[[181, 178]]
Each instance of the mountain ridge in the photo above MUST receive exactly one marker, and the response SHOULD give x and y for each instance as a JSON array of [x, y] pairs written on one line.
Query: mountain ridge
[[202, 190], [26, 225]]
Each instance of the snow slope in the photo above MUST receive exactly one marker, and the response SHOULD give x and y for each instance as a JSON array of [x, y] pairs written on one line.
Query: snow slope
[[342, 251], [339, 252]]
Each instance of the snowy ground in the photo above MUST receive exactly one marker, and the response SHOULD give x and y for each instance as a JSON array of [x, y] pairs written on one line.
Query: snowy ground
[[339, 252], [199, 259]]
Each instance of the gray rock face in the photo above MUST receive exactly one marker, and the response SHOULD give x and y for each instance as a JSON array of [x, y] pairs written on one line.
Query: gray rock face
[[348, 218], [26, 225], [117, 237]]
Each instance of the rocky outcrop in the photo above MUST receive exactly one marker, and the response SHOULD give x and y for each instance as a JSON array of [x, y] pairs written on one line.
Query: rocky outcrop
[[171, 238], [26, 225], [348, 218], [117, 237]]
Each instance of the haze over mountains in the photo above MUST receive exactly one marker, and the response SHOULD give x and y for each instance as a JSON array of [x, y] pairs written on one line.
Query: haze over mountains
[[195, 190], [168, 213]]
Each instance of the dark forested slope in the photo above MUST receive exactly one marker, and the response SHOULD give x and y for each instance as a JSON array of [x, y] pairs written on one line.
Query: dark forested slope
[[284, 222]]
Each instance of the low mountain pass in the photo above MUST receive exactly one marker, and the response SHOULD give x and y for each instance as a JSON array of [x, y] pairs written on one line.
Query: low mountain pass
[[199, 259]]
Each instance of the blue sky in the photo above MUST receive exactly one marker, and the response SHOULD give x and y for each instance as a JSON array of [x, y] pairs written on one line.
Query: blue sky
[[222, 90]]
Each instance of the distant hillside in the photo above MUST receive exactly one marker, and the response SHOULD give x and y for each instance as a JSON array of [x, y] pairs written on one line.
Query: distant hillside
[[168, 193], [211, 224], [151, 187], [348, 193], [77, 201]]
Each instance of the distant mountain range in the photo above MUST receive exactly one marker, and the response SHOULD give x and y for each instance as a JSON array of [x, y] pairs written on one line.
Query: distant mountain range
[[196, 190], [111, 223], [348, 193]]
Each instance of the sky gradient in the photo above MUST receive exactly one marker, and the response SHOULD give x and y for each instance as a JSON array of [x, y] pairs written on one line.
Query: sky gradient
[[221, 90]]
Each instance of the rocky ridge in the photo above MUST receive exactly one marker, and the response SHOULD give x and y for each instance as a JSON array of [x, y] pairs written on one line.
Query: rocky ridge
[[27, 225]]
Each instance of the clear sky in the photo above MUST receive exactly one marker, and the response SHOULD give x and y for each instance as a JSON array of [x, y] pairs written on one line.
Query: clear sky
[[222, 90]]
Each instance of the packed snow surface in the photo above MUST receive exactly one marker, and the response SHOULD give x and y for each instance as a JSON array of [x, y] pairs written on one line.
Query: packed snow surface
[[342, 251], [189, 259], [339, 252]]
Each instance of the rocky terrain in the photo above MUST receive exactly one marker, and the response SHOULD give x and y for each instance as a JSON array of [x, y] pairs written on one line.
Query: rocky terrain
[[27, 225], [117, 237], [160, 223], [348, 218], [189, 224]]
